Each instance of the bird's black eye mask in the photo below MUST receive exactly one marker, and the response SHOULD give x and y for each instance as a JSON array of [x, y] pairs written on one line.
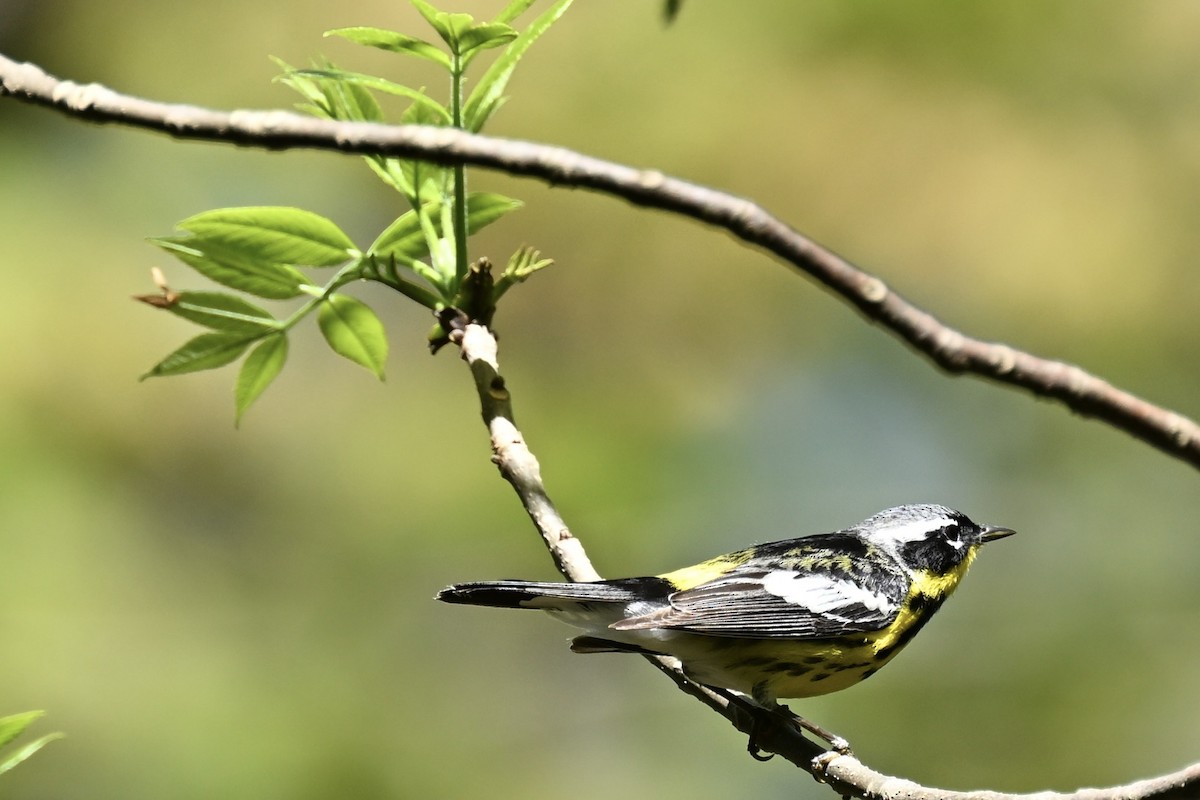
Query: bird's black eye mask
[[939, 552]]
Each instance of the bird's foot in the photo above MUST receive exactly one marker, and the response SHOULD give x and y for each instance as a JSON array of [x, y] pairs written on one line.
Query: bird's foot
[[839, 745]]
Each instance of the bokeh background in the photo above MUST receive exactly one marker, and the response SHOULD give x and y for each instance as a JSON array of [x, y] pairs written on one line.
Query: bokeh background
[[210, 612]]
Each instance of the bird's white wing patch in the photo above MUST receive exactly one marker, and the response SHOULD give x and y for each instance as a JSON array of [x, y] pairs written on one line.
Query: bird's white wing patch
[[822, 594]]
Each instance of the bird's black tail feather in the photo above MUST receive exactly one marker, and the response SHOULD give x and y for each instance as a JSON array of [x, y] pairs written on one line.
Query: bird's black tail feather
[[532, 594], [596, 644]]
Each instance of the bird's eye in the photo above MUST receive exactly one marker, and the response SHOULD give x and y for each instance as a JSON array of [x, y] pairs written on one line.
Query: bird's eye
[[953, 536]]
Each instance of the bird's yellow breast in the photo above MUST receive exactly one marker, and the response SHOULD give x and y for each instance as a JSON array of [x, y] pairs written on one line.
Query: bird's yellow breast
[[925, 595]]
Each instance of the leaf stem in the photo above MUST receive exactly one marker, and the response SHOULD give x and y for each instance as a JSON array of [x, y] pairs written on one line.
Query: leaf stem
[[317, 294]]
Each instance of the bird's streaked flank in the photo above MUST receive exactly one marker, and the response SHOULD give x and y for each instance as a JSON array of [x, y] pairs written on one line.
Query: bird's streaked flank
[[795, 618]]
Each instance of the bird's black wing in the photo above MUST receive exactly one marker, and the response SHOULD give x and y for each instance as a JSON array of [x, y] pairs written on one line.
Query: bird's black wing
[[813, 588]]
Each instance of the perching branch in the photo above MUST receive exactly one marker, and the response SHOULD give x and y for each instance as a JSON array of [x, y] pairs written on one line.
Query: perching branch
[[1082, 392], [950, 349]]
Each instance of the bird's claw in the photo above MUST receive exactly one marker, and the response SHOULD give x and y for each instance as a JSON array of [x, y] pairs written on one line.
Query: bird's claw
[[757, 753]]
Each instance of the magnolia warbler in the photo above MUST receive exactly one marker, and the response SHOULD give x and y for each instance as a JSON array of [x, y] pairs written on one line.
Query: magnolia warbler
[[796, 618]]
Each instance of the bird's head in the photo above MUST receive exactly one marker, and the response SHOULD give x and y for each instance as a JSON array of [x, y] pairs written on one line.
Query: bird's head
[[929, 538]]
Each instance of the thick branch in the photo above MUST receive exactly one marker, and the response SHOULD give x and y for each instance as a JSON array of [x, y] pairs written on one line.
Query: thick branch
[[950, 349]]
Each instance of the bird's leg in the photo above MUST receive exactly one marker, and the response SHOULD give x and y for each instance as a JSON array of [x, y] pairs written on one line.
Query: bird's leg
[[756, 712], [838, 744], [759, 705]]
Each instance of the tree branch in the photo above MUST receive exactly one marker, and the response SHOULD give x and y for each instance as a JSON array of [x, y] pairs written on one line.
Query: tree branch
[[950, 349]]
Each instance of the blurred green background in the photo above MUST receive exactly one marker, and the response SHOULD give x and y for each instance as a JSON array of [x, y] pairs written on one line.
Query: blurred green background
[[247, 614]]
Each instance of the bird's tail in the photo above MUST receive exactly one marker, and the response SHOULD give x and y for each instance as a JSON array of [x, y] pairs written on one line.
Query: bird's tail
[[545, 596]]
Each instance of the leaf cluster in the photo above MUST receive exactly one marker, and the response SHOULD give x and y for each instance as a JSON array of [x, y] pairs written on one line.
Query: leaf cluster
[[278, 253]]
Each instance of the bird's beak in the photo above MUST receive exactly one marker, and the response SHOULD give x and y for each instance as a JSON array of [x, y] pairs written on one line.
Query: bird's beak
[[990, 533]]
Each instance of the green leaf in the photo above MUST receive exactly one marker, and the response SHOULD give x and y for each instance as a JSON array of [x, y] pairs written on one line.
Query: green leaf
[[206, 351], [393, 42], [484, 208], [513, 10], [25, 751], [353, 331], [221, 311], [489, 92], [306, 88], [14, 725], [458, 25], [234, 269], [403, 240], [486, 37], [450, 27], [261, 367], [278, 234], [390, 172], [435, 18], [437, 110], [355, 102]]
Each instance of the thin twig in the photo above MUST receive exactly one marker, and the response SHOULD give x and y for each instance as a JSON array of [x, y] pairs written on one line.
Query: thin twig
[[950, 349], [511, 455]]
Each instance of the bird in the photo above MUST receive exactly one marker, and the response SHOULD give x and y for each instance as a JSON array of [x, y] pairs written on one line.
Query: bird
[[790, 619]]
